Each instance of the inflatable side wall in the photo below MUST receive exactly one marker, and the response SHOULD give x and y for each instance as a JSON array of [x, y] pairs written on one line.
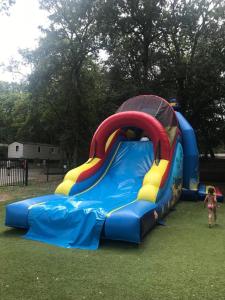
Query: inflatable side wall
[[191, 154]]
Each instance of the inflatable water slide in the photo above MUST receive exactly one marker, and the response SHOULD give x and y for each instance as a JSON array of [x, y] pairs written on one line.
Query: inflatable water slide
[[142, 159]]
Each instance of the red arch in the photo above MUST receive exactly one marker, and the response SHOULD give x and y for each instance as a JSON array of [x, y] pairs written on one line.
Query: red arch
[[141, 120]]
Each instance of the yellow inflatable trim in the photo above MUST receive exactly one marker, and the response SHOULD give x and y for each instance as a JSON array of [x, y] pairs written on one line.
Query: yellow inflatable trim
[[109, 141], [152, 181], [71, 177], [118, 208]]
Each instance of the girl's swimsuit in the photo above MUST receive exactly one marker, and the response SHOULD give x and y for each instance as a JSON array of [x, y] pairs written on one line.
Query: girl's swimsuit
[[211, 201]]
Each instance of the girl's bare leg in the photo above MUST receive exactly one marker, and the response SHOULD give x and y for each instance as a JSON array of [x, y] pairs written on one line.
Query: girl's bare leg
[[215, 215], [210, 215]]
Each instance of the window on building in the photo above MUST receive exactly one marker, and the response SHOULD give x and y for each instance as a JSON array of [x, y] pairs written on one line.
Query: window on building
[[17, 148], [52, 150], [39, 149]]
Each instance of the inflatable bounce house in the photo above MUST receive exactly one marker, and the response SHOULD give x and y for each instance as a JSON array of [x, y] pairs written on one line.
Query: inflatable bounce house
[[142, 160]]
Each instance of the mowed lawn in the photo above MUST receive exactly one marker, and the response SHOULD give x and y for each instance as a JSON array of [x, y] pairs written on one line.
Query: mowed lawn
[[182, 260]]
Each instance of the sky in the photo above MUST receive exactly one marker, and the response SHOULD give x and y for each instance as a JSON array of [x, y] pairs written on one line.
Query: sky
[[19, 30]]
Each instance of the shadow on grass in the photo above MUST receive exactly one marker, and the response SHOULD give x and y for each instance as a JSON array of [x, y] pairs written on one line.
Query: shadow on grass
[[214, 227], [14, 232], [104, 244]]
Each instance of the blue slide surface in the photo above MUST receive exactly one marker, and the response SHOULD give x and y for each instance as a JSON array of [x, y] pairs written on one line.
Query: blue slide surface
[[77, 221]]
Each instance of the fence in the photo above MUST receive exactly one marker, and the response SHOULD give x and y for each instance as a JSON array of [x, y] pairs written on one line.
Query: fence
[[13, 172], [54, 169]]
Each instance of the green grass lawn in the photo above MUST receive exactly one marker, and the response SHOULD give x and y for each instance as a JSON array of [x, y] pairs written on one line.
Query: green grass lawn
[[183, 260]]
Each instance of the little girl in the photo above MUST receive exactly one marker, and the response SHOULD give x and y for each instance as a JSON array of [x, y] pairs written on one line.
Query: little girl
[[211, 202]]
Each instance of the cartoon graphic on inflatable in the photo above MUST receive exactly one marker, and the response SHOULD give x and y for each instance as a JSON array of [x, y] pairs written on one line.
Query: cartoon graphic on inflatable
[[142, 159]]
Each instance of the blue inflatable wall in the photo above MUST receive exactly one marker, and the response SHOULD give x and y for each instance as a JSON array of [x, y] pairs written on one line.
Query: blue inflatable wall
[[191, 154]]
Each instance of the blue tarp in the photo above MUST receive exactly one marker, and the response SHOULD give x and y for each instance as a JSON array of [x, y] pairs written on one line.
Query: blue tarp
[[77, 221]]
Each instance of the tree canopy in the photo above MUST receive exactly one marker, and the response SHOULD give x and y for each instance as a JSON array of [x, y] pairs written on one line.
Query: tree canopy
[[166, 47], [5, 6]]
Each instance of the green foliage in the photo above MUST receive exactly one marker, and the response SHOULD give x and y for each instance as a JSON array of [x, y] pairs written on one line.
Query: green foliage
[[3, 152], [14, 110], [130, 32], [163, 47], [193, 46], [5, 6], [171, 48], [67, 85]]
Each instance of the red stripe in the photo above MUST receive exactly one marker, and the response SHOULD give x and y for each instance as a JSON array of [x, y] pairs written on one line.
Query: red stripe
[[87, 173], [218, 192], [149, 124], [164, 178]]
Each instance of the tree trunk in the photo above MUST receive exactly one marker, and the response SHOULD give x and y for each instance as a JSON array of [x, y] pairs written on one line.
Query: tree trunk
[[211, 152]]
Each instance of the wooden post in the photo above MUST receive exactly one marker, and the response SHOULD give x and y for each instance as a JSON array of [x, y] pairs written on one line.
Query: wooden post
[[26, 172], [47, 168]]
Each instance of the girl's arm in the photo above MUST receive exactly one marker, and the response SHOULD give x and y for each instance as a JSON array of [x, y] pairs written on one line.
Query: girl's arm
[[206, 200], [215, 201]]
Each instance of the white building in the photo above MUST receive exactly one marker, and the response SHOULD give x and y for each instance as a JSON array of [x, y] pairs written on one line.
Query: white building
[[33, 151]]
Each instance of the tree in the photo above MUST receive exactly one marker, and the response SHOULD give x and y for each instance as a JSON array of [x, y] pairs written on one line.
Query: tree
[[171, 48], [62, 63], [193, 66], [165, 47], [14, 109], [5, 5], [130, 31]]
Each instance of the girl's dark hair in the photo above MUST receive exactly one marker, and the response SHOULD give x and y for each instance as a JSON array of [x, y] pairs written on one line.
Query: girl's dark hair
[[211, 190]]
